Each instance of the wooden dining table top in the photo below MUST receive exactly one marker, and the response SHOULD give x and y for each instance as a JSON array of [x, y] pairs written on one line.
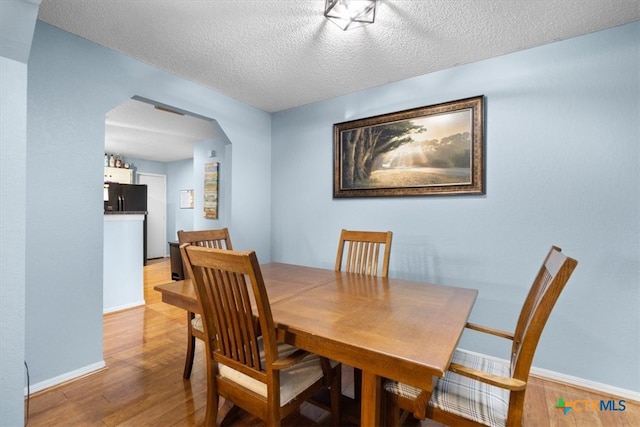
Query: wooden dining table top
[[281, 280], [389, 328]]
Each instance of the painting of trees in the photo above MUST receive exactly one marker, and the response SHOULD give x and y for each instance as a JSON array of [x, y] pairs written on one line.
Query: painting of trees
[[430, 150], [362, 145]]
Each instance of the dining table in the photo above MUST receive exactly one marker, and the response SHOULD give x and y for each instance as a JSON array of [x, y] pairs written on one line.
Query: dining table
[[399, 329]]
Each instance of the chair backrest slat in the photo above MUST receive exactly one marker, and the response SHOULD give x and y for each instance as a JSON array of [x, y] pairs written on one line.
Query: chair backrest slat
[[236, 334], [363, 252], [231, 292], [215, 238]]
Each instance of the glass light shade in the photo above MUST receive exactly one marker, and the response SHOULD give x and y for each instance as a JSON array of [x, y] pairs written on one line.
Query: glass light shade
[[348, 14]]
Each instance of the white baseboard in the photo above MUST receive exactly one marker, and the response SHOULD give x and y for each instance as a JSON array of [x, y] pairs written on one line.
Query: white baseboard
[[34, 388], [123, 307], [605, 389]]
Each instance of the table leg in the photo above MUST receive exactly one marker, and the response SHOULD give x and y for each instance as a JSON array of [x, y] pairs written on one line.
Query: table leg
[[371, 398]]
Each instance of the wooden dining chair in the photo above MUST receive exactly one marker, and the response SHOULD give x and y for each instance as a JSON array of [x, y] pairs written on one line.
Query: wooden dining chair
[[480, 390], [252, 370], [363, 252], [216, 238]]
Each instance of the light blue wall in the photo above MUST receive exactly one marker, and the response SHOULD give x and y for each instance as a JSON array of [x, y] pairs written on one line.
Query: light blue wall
[[123, 265], [201, 156], [13, 136], [189, 174], [17, 20], [180, 177], [146, 166], [72, 84], [562, 168]]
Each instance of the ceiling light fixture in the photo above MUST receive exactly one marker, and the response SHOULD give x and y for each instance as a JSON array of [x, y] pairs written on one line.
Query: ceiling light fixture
[[348, 14]]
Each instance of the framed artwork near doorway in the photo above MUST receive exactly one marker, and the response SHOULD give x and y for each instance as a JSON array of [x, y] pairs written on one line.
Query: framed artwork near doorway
[[186, 199], [426, 151], [211, 190]]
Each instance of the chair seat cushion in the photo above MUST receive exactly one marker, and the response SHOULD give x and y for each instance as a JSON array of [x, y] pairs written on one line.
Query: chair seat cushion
[[293, 380], [196, 323], [463, 396]]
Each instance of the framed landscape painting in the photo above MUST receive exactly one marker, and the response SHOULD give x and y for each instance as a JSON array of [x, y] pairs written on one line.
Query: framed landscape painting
[[433, 150]]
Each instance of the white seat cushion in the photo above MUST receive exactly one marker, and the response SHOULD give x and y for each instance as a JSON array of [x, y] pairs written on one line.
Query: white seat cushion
[[464, 396], [293, 380], [196, 323]]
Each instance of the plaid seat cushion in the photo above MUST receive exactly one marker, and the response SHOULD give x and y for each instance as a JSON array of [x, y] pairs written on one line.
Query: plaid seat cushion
[[464, 396]]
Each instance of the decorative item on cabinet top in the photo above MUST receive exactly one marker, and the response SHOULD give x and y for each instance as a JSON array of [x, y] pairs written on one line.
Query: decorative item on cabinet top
[[115, 161]]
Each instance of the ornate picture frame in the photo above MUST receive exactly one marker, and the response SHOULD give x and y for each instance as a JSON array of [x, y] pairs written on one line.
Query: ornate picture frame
[[428, 151]]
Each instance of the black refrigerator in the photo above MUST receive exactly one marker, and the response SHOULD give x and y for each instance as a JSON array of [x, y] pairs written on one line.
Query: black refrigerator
[[128, 199], [125, 198]]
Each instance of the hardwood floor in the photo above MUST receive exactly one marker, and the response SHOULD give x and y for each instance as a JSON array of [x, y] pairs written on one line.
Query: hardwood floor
[[142, 385]]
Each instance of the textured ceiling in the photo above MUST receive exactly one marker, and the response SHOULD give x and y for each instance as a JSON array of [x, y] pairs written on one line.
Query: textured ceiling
[[280, 54], [277, 55]]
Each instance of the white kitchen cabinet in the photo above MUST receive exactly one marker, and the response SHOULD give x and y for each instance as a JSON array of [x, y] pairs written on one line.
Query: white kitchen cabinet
[[123, 176]]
